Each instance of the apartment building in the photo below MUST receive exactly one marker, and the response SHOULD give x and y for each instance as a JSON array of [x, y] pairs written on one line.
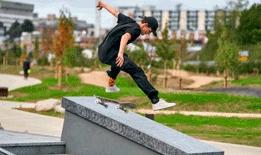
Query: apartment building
[[184, 23]]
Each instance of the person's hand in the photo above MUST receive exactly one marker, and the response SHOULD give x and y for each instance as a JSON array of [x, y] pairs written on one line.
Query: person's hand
[[100, 5], [119, 60]]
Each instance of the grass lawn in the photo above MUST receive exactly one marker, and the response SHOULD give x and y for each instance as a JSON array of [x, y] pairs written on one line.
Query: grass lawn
[[244, 81], [191, 101], [248, 81], [230, 130], [72, 86]]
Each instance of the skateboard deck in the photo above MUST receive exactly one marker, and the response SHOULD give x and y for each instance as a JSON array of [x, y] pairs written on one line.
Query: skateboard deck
[[124, 106]]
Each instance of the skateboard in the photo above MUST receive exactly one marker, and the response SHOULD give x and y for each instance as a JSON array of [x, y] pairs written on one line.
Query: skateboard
[[124, 106]]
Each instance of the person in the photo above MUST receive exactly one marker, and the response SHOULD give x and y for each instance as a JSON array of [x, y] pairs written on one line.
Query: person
[[26, 67], [111, 52]]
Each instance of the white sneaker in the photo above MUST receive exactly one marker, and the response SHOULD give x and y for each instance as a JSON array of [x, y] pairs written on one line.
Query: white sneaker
[[113, 89], [162, 104]]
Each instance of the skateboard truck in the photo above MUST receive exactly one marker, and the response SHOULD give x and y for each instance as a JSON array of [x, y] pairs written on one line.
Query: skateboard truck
[[98, 101], [123, 108]]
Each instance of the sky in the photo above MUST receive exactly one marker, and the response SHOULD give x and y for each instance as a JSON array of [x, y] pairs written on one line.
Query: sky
[[85, 9]]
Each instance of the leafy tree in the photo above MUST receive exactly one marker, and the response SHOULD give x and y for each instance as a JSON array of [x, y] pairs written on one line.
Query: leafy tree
[[14, 31], [16, 52], [181, 52], [27, 26], [1, 55], [234, 11], [24, 53], [165, 46], [227, 18], [36, 50], [140, 55], [63, 39], [249, 30], [73, 57], [210, 49], [4, 53], [227, 57], [165, 49], [46, 44]]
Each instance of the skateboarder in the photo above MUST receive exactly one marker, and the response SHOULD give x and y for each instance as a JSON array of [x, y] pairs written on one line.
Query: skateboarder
[[111, 52]]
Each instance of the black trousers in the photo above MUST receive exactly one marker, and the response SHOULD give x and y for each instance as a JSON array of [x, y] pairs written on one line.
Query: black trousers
[[26, 74], [138, 75]]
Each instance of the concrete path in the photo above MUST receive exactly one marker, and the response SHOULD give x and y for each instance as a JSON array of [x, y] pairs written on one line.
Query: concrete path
[[16, 120], [15, 81], [245, 91], [234, 149], [197, 113]]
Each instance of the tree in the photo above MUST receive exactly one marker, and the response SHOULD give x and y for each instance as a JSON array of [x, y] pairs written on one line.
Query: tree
[[181, 52], [5, 52], [140, 55], [36, 50], [227, 18], [63, 39], [1, 55], [47, 39], [73, 57], [14, 31], [249, 30], [227, 57], [234, 11], [165, 49], [24, 53], [46, 44], [16, 51], [210, 49], [27, 26]]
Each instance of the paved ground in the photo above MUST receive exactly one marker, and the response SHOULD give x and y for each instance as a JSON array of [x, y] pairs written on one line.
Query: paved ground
[[15, 81], [234, 149], [16, 120], [8, 138], [242, 91]]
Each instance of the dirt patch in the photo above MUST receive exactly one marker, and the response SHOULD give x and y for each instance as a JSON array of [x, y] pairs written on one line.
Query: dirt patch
[[97, 78]]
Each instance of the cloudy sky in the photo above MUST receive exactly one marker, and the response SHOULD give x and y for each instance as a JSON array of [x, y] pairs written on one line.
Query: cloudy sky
[[85, 9]]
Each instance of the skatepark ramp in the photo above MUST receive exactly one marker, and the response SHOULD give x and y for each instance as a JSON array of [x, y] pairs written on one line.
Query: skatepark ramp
[[95, 126]]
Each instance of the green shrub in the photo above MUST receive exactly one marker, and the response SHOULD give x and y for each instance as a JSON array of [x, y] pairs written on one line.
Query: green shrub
[[249, 67], [43, 61], [201, 68]]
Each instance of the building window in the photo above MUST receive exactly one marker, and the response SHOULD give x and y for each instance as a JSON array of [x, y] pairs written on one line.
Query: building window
[[192, 20], [174, 18], [209, 23]]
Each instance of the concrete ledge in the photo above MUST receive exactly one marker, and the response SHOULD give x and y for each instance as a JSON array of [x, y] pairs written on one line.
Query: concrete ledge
[[107, 118], [5, 152], [30, 144]]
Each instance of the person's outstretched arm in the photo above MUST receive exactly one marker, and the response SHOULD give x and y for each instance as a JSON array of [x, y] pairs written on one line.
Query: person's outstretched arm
[[115, 12]]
